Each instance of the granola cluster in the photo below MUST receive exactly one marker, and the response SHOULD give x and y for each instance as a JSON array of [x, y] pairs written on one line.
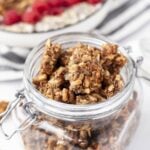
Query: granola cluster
[[81, 74], [19, 5], [3, 106]]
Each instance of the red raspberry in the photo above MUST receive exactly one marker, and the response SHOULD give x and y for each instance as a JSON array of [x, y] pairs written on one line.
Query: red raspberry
[[57, 3], [56, 11], [41, 6], [11, 17], [31, 16], [94, 1], [72, 2]]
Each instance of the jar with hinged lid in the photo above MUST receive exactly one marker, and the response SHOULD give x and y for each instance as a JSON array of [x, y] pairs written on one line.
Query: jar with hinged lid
[[47, 124]]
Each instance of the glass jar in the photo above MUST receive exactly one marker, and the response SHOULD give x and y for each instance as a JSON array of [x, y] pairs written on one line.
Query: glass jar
[[51, 125]]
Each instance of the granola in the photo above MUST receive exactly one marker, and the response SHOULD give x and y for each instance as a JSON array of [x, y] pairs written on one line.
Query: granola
[[65, 56], [84, 70], [3, 106], [85, 136], [81, 74], [50, 57], [19, 5], [111, 59], [89, 98]]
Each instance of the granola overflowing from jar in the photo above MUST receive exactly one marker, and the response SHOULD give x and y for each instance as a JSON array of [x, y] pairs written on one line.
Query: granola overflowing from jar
[[28, 16], [19, 5], [81, 74], [3, 106]]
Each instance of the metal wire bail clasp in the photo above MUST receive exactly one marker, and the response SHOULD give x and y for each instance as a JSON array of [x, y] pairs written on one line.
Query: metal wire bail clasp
[[138, 61], [30, 119], [140, 73]]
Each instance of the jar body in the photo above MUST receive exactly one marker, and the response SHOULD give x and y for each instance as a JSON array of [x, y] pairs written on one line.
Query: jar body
[[59, 126], [113, 132]]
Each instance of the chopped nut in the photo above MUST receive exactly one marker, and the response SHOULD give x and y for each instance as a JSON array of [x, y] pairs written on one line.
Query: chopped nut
[[89, 99], [57, 78], [39, 78]]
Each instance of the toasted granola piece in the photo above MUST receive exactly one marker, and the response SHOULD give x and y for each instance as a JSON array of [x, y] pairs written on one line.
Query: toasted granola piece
[[118, 83], [119, 61], [108, 49], [108, 91], [84, 77], [84, 53], [63, 95], [89, 98], [54, 94], [111, 59], [40, 78], [49, 60], [50, 57], [65, 56], [51, 93], [112, 85], [57, 78], [3, 106], [68, 96], [19, 5], [84, 69], [42, 87]]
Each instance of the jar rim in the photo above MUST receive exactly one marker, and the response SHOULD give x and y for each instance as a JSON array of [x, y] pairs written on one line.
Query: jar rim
[[71, 111]]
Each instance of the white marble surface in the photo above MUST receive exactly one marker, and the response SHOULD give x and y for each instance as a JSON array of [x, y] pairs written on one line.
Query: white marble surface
[[141, 140]]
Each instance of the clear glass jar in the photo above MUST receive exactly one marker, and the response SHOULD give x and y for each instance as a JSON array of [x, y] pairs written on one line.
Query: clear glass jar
[[52, 125]]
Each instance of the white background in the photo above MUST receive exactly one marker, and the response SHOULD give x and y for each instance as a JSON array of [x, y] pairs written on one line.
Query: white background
[[141, 140]]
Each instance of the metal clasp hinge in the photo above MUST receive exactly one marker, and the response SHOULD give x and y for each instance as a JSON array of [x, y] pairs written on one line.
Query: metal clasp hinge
[[140, 73], [30, 119]]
